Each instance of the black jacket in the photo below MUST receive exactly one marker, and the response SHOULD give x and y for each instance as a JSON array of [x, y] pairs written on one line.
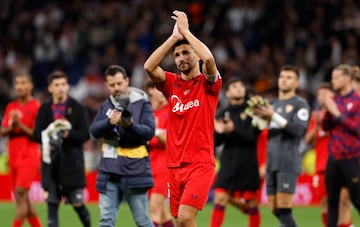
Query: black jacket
[[238, 160], [69, 170]]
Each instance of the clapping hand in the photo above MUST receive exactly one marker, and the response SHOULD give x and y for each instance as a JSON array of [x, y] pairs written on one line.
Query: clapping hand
[[176, 33], [331, 107], [15, 117], [181, 21]]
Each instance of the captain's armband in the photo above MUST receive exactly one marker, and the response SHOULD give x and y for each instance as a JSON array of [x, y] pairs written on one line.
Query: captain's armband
[[214, 77]]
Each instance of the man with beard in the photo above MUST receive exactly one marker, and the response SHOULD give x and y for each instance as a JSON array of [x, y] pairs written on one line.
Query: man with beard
[[192, 97], [342, 120], [238, 178], [125, 122], [288, 116], [319, 138]]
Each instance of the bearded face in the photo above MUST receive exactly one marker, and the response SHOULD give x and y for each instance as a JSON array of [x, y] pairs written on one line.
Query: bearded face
[[185, 58]]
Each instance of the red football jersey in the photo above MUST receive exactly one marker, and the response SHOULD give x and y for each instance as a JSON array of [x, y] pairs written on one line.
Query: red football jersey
[[190, 130], [321, 145], [157, 149], [262, 147], [22, 150]]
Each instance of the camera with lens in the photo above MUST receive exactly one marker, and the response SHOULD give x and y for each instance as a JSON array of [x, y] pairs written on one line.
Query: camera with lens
[[121, 105]]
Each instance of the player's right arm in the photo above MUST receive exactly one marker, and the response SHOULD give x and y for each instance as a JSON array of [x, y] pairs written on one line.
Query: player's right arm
[[152, 64], [6, 128], [310, 135], [5, 131]]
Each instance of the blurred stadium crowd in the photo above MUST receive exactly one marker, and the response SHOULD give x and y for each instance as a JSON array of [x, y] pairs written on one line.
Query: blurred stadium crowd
[[249, 38]]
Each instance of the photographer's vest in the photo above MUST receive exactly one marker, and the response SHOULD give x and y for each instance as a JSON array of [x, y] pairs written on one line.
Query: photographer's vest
[[125, 156]]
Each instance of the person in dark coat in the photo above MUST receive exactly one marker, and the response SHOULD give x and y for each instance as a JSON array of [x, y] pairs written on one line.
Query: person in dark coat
[[61, 128], [125, 123], [238, 179]]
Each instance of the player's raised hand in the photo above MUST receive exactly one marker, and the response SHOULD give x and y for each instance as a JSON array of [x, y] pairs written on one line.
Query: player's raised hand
[[176, 33], [181, 21]]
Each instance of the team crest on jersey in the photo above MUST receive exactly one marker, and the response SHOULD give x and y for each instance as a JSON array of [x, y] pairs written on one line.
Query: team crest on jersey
[[177, 85], [186, 91], [349, 106], [289, 108]]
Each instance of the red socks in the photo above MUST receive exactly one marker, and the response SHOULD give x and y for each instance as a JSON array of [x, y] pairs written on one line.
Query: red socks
[[324, 221], [217, 216], [168, 224], [324, 218], [17, 223], [34, 221], [254, 217], [218, 213], [165, 224], [346, 225]]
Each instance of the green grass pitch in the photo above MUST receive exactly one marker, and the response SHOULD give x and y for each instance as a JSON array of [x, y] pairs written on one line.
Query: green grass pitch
[[304, 216]]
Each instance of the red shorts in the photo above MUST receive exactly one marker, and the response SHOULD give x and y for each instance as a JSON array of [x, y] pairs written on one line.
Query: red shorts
[[190, 185], [246, 195], [319, 186], [160, 185], [22, 177]]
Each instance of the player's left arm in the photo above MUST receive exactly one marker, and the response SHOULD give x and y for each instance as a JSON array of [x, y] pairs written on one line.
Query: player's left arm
[[351, 120], [27, 130], [294, 124], [298, 123], [348, 118]]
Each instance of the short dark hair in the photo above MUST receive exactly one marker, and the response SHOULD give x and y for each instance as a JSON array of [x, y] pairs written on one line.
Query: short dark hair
[[180, 42], [231, 81], [24, 74], [57, 74], [290, 68], [113, 69]]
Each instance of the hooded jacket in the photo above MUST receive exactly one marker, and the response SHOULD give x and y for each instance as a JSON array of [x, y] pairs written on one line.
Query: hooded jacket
[[124, 152]]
